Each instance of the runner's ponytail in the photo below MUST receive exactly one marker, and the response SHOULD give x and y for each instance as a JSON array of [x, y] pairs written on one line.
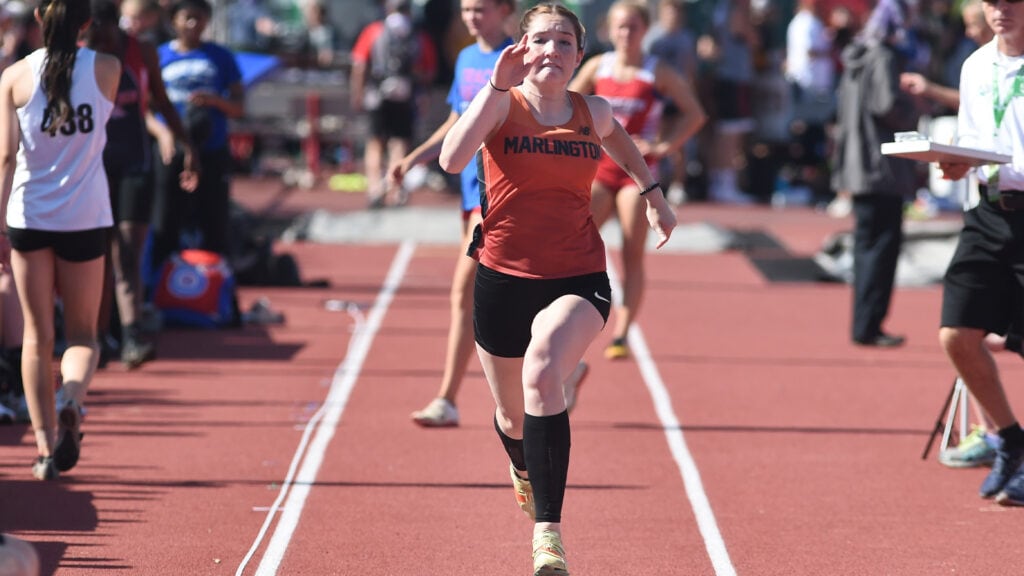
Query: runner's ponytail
[[61, 21]]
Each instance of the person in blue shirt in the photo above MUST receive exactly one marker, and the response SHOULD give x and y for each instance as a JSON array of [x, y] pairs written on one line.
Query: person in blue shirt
[[204, 83], [485, 20]]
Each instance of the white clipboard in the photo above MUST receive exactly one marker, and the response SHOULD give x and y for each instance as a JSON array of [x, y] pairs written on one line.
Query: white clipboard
[[928, 151]]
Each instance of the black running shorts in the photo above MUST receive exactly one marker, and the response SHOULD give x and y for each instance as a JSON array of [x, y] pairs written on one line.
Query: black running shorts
[[504, 306], [984, 282], [76, 246], [131, 194], [393, 120]]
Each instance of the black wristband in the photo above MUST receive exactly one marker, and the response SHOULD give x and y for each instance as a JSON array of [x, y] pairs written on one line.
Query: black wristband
[[650, 188], [491, 82]]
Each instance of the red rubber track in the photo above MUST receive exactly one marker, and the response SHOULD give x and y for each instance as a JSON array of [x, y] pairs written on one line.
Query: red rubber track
[[808, 448]]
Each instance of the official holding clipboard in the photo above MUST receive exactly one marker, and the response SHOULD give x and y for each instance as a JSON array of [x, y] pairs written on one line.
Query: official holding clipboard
[[984, 284]]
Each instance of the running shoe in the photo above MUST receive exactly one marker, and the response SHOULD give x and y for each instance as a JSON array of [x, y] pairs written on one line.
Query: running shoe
[[69, 438], [974, 450], [1013, 493], [1004, 467], [549, 555], [44, 469], [617, 350], [440, 413], [524, 493], [135, 352], [571, 387], [7, 415], [676, 195], [840, 207]]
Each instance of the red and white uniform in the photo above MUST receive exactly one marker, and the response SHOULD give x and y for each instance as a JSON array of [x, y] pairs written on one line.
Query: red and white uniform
[[635, 104]]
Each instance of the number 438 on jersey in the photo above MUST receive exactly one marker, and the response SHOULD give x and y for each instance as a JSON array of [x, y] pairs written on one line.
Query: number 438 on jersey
[[81, 121]]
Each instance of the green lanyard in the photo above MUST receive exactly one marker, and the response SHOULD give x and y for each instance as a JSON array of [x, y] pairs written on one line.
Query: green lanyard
[[999, 105]]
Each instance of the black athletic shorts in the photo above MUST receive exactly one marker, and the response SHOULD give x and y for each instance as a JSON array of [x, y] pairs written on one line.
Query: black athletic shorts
[[734, 100], [984, 283], [131, 193], [76, 246], [504, 306], [393, 120]]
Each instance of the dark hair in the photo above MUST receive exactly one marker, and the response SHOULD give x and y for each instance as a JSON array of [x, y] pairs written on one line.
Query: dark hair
[[201, 5], [61, 22], [636, 6], [556, 10], [105, 12]]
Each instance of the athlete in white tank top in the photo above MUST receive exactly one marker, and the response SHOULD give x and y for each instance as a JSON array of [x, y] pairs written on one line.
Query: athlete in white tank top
[[59, 182]]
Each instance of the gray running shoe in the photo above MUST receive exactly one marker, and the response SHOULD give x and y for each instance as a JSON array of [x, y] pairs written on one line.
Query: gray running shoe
[[44, 469], [69, 437]]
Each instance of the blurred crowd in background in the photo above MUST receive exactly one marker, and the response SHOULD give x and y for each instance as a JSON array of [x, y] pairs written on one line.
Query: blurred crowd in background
[[783, 154], [742, 49]]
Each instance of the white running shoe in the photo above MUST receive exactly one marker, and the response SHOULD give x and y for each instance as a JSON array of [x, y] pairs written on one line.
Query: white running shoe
[[729, 195], [549, 555], [440, 413], [839, 207], [676, 195]]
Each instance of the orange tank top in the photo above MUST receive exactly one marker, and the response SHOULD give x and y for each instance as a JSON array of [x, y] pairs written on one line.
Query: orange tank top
[[535, 195]]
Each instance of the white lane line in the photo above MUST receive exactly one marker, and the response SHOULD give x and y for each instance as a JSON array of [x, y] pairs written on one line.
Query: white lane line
[[713, 542], [321, 427]]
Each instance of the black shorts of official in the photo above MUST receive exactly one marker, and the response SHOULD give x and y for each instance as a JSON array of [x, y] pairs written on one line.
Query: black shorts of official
[[131, 193], [76, 246], [504, 306], [984, 283], [393, 120], [734, 99]]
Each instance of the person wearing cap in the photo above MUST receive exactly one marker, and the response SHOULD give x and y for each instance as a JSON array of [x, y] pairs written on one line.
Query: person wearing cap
[[391, 61]]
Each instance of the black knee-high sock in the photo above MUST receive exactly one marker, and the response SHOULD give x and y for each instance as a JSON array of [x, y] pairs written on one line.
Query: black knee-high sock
[[513, 447], [546, 440], [1013, 438]]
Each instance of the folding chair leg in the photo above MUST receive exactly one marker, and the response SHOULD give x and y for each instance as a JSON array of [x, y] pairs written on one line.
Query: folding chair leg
[[940, 423]]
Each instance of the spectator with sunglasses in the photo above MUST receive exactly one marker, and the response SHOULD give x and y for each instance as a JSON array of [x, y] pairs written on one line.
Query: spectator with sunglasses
[[983, 283]]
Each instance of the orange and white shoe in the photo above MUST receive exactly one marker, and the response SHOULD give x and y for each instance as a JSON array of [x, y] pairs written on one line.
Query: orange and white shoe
[[524, 493], [549, 555]]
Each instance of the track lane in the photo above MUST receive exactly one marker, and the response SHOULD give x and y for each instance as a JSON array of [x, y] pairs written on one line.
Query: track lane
[[808, 448], [178, 455], [401, 500]]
